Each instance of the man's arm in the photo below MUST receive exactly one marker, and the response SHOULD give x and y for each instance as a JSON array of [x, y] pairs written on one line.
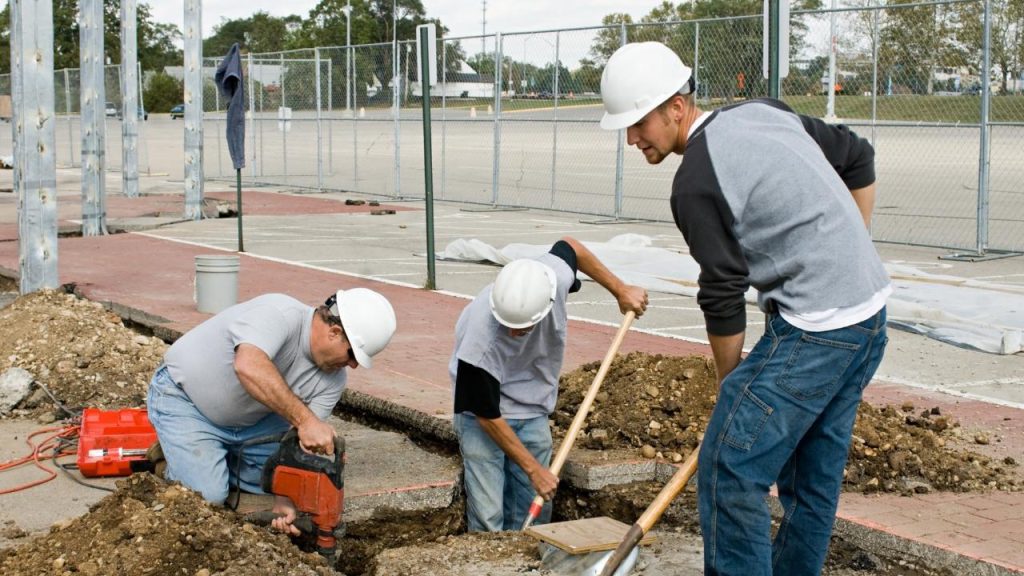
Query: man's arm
[[727, 351], [544, 482], [263, 382], [630, 297], [865, 199]]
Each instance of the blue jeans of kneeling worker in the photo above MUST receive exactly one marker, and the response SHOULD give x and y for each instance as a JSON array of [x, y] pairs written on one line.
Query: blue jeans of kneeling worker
[[498, 492], [785, 415], [200, 454]]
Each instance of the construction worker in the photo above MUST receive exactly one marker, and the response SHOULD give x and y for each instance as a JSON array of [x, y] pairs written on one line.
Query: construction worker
[[256, 369], [771, 199], [509, 344]]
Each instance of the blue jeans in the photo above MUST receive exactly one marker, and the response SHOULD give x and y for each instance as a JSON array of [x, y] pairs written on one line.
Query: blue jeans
[[498, 492], [785, 416], [200, 454]]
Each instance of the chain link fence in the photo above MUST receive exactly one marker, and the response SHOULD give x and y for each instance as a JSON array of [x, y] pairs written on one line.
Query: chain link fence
[[515, 116]]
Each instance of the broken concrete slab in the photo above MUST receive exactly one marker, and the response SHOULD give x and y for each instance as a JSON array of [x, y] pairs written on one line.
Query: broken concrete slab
[[15, 384]]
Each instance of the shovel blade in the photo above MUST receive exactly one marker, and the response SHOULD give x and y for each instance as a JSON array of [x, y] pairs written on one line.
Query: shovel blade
[[561, 562]]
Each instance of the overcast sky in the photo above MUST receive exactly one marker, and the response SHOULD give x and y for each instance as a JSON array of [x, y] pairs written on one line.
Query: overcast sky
[[462, 17]]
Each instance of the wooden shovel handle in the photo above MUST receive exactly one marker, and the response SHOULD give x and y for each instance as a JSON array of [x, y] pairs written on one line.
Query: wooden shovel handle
[[588, 400]]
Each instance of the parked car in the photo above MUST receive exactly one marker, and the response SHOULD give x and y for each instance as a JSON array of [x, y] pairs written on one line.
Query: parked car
[[178, 111], [110, 110], [143, 115]]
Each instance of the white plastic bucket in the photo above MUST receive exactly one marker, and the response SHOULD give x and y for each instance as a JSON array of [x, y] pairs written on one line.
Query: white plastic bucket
[[216, 286]]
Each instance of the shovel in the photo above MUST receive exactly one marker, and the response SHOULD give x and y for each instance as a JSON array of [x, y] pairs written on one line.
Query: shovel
[[652, 513], [581, 414]]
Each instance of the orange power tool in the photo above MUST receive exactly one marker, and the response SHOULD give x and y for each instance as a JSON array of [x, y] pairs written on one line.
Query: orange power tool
[[315, 485]]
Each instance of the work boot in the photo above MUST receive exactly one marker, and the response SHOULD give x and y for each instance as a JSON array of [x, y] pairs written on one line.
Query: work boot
[[155, 456]]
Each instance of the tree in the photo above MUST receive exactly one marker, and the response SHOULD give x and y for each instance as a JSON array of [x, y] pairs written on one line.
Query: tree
[[155, 40], [162, 92], [261, 33], [727, 48]]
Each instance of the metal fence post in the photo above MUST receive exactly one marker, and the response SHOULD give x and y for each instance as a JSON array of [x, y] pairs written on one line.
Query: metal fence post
[[983, 151], [130, 101], [696, 58], [554, 124], [193, 110], [620, 147], [330, 116], [285, 123], [444, 111], [496, 168], [34, 140], [319, 125], [252, 118], [93, 94], [67, 108], [396, 86]]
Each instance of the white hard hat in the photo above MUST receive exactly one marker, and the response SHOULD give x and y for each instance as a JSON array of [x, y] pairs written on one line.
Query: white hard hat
[[637, 79], [368, 320], [523, 293]]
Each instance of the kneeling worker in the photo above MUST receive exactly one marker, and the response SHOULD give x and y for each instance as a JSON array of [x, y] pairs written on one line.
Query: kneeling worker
[[257, 369]]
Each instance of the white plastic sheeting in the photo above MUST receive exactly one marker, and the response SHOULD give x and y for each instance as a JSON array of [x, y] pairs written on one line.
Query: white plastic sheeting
[[959, 311]]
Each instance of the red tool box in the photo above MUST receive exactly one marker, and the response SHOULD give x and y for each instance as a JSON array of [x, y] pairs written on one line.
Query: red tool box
[[110, 440]]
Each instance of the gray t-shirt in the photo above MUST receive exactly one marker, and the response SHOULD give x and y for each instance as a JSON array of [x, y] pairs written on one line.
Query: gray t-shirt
[[202, 361], [528, 366]]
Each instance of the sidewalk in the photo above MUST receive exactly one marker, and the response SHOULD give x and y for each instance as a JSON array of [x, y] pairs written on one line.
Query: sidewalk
[[149, 280]]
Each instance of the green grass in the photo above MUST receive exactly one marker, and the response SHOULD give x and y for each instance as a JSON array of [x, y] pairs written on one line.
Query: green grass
[[914, 108]]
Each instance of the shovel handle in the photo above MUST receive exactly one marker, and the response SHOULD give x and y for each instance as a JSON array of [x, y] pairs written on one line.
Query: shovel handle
[[581, 414], [652, 513], [588, 400]]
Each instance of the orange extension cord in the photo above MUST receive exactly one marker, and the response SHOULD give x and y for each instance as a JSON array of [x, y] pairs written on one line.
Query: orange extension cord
[[57, 446]]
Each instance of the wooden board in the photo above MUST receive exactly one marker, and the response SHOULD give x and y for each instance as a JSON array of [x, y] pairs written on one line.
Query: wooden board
[[584, 535]]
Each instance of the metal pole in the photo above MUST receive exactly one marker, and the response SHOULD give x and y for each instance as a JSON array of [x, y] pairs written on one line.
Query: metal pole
[[35, 168], [874, 74], [983, 152], [444, 114], [396, 82], [263, 119], [428, 161], [330, 116], [774, 80], [193, 109], [67, 108], [93, 94], [355, 143], [143, 147], [830, 106], [696, 58], [319, 125], [499, 46], [554, 123], [620, 146], [130, 101], [348, 56], [286, 123], [252, 117]]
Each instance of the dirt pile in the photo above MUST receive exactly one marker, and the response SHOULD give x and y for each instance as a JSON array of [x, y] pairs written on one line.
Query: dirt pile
[[81, 352], [660, 405], [148, 527], [465, 555]]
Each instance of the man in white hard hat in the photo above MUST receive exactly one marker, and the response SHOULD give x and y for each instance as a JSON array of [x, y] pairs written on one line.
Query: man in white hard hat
[[256, 369], [779, 201], [509, 344]]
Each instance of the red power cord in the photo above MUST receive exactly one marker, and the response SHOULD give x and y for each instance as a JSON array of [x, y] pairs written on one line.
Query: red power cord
[[53, 444]]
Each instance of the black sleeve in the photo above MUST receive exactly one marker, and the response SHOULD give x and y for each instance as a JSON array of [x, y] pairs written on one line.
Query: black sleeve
[[851, 156], [563, 250], [477, 391], [706, 221]]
